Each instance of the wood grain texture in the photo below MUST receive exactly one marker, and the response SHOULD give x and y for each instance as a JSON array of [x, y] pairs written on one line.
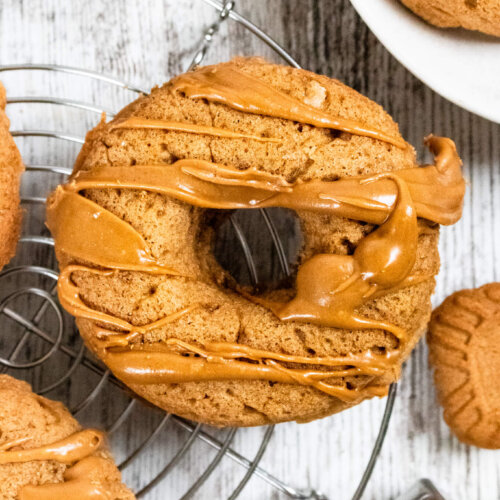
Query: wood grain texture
[[147, 42]]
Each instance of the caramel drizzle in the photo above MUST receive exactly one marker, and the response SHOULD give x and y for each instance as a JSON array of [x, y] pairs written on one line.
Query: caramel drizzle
[[76, 448], [67, 450], [69, 297], [357, 364], [436, 190], [226, 84], [381, 263], [331, 287], [136, 122], [165, 364], [78, 484], [120, 246], [156, 367]]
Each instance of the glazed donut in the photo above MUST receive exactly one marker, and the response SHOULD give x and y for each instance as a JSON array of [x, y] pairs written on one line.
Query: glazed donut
[[480, 15], [11, 167], [134, 230]]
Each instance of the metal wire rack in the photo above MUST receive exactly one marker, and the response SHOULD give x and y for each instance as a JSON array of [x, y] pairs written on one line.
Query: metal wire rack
[[39, 342]]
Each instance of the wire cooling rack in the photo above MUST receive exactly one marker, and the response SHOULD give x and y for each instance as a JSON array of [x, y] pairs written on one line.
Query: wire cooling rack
[[39, 341]]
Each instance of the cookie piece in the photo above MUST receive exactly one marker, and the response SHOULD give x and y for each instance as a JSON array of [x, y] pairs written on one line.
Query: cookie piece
[[464, 344], [479, 15], [28, 423], [11, 167]]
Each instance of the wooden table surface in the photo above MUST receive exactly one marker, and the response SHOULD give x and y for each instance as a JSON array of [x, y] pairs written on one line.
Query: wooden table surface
[[146, 43]]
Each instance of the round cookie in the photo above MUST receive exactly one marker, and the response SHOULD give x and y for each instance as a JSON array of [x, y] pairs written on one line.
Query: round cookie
[[11, 167], [179, 236], [31, 422], [464, 339], [480, 15]]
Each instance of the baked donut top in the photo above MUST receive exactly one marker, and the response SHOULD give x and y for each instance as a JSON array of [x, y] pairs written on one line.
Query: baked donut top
[[330, 288]]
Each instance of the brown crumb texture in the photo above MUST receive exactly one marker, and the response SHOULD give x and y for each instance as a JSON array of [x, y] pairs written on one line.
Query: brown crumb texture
[[11, 167], [464, 340], [181, 237], [25, 414], [479, 15]]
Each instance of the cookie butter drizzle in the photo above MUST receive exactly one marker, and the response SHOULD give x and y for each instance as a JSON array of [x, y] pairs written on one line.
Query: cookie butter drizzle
[[189, 128], [226, 84], [77, 449], [381, 263]]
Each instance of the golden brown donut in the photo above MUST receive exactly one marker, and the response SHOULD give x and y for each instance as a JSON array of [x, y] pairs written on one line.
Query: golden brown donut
[[11, 167], [464, 339], [479, 15], [154, 304], [45, 454]]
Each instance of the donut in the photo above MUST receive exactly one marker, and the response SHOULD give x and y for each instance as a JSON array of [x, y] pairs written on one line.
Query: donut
[[46, 455], [479, 15], [134, 231], [463, 339], [11, 167]]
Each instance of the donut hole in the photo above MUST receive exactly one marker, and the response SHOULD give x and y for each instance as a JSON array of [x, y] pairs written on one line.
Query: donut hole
[[249, 228]]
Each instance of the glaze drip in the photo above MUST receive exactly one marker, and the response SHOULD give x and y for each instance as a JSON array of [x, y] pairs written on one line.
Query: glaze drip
[[78, 484], [331, 287], [68, 450], [436, 190], [161, 365], [226, 84], [76, 450], [136, 122]]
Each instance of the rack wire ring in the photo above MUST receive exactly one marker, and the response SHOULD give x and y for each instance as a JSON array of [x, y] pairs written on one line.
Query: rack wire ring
[[29, 325]]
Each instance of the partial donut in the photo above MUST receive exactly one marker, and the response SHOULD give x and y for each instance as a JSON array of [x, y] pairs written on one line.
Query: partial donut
[[11, 167], [46, 455]]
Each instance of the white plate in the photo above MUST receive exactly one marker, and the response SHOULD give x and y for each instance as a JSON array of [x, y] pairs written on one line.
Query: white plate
[[461, 65]]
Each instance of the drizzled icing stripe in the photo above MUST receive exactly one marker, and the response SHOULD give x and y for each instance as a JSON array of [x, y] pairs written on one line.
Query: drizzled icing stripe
[[78, 484], [436, 190], [70, 299], [75, 450], [162, 365], [67, 450], [367, 364], [137, 122], [330, 288], [226, 84], [74, 222]]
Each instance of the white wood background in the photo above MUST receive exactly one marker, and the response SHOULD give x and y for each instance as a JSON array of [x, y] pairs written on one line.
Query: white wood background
[[147, 42]]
